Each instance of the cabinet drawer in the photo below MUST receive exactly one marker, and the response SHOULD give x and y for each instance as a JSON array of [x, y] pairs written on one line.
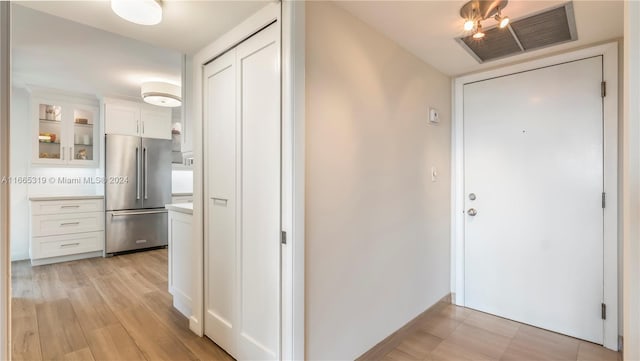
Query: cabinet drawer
[[50, 225], [55, 246], [67, 206]]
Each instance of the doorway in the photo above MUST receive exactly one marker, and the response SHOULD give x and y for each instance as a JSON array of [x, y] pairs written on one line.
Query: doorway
[[535, 201]]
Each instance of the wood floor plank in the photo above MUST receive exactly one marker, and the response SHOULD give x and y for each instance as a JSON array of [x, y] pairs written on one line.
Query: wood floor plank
[[46, 284], [494, 324], [59, 329], [153, 338], [115, 293], [79, 355], [68, 277], [588, 351], [25, 338], [419, 344], [135, 281], [205, 349], [92, 311], [538, 344], [113, 343], [161, 305]]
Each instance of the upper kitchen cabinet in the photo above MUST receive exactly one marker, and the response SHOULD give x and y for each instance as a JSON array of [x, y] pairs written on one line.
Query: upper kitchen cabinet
[[65, 129], [137, 119]]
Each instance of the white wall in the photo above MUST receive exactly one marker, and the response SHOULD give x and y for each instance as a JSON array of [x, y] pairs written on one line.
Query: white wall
[[21, 135], [377, 227], [631, 182], [182, 181]]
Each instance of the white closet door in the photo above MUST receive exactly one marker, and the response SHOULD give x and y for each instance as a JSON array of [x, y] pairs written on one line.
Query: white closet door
[[242, 214], [259, 250], [221, 201]]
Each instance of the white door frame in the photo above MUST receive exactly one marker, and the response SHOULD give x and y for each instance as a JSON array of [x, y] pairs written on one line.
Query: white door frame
[[610, 68], [289, 16]]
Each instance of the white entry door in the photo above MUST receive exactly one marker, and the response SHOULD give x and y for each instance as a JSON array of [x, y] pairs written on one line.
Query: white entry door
[[242, 190], [533, 157]]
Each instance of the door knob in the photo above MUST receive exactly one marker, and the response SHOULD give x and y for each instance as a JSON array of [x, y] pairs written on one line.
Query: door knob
[[472, 212]]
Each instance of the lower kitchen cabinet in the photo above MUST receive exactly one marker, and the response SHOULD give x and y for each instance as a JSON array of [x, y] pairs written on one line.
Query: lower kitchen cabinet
[[181, 256], [66, 228]]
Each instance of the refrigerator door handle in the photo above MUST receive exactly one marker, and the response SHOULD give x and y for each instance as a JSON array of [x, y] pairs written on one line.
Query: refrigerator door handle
[[137, 173], [146, 172]]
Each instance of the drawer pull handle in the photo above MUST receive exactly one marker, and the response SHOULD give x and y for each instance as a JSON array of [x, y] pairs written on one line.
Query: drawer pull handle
[[74, 206], [70, 244], [69, 224]]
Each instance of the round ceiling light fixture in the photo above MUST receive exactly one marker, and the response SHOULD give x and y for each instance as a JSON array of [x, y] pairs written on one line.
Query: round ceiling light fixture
[[161, 94], [143, 12]]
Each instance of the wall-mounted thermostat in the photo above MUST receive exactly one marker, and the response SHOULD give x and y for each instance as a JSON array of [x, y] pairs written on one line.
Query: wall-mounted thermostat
[[434, 115]]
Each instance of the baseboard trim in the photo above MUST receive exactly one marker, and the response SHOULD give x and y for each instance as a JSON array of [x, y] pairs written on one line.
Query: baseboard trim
[[392, 341], [72, 257]]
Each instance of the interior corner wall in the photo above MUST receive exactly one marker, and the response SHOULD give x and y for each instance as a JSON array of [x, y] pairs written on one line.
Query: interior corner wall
[[377, 225]]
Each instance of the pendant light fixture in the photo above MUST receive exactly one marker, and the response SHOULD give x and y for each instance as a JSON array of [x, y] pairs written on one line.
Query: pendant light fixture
[[161, 94], [142, 12], [476, 11]]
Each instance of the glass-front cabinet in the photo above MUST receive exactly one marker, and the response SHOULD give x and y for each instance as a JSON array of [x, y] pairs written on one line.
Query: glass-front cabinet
[[67, 131]]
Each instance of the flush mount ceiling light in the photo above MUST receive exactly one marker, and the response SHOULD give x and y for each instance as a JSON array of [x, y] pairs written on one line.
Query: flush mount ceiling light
[[475, 11], [143, 12], [161, 94]]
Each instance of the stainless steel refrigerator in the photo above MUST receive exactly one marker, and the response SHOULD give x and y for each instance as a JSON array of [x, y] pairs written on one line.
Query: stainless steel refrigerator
[[138, 185]]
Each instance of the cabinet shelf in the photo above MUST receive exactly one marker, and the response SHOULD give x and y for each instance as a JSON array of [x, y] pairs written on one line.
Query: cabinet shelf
[[82, 125], [51, 121]]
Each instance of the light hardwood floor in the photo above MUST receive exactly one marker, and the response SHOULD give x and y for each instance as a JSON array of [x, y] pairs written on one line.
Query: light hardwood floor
[[119, 309], [448, 332], [114, 308]]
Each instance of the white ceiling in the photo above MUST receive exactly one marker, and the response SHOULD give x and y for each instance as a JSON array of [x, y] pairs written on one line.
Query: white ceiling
[[52, 52], [187, 25], [428, 28]]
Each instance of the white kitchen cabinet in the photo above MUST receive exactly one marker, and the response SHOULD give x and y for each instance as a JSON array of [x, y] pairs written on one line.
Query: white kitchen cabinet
[[65, 129], [122, 118], [180, 257], [155, 122], [137, 119], [66, 228]]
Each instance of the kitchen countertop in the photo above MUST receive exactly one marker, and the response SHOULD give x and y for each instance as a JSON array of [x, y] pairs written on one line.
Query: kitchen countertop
[[186, 208], [65, 198]]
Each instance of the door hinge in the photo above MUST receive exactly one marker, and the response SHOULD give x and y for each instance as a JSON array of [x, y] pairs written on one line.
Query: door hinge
[[603, 90], [604, 311], [283, 237], [604, 199]]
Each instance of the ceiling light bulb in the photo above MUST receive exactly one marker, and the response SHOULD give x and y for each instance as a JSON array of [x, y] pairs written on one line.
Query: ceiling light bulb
[[479, 33], [143, 12], [504, 22], [469, 25]]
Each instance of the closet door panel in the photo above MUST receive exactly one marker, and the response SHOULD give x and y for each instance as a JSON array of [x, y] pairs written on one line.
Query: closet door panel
[[221, 202], [259, 262]]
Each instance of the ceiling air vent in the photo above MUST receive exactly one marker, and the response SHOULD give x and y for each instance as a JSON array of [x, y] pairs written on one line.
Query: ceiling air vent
[[543, 29]]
